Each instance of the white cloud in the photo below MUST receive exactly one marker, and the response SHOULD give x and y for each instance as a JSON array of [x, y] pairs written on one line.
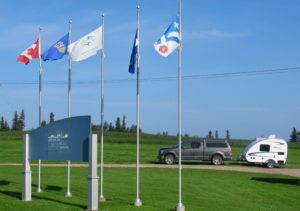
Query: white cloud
[[211, 33]]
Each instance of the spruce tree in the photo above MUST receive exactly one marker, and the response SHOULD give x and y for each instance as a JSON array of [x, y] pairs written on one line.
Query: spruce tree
[[2, 124], [293, 136], [6, 126], [217, 134], [43, 123], [227, 135], [51, 117], [124, 124], [210, 136], [118, 126], [111, 127], [21, 121], [15, 124]]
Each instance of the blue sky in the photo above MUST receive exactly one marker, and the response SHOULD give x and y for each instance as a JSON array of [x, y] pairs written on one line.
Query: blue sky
[[218, 37]]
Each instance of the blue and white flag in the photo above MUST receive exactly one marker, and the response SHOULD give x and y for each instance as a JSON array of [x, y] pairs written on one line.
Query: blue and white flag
[[170, 40], [133, 58], [57, 50]]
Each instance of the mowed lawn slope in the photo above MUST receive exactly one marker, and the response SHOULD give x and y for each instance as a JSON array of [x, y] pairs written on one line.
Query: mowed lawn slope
[[202, 190], [120, 148]]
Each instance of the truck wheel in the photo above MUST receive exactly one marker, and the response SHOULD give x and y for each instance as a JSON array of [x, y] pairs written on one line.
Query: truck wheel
[[217, 160], [270, 164], [169, 159]]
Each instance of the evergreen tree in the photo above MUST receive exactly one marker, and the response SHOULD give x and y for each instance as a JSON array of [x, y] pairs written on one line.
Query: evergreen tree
[[43, 123], [21, 121], [6, 126], [217, 134], [210, 136], [118, 126], [293, 136], [51, 117], [2, 124], [227, 135], [15, 124], [124, 124], [132, 129], [111, 127], [105, 126]]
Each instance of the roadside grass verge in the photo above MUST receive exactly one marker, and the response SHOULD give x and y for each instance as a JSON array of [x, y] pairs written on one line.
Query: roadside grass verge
[[202, 190], [120, 148]]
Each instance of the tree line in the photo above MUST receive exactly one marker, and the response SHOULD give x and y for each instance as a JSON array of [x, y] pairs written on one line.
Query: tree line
[[216, 136], [118, 126], [18, 122]]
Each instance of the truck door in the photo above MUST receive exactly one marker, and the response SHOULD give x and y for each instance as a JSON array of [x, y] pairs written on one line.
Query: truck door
[[186, 151], [197, 147]]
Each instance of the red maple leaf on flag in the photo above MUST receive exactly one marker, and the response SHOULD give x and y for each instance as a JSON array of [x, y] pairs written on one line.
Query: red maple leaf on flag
[[30, 53]]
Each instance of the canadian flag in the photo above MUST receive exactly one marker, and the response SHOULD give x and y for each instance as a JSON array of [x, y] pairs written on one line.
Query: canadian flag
[[30, 53]]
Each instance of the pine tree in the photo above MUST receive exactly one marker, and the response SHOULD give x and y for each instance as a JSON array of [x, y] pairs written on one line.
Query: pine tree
[[21, 121], [118, 126], [6, 126], [2, 124], [51, 117], [124, 124], [293, 136], [217, 134], [111, 127], [210, 136], [227, 135], [105, 126], [43, 123], [15, 125]]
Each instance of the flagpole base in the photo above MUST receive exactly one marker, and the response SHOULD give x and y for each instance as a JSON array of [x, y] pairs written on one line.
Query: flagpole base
[[137, 202], [102, 198], [68, 194], [39, 190], [179, 207]]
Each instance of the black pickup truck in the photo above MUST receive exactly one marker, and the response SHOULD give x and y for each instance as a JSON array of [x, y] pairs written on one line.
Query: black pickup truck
[[215, 151]]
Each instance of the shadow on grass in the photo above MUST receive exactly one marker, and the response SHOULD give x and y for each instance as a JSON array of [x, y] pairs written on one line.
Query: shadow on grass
[[4, 182], [18, 195], [53, 188], [277, 180]]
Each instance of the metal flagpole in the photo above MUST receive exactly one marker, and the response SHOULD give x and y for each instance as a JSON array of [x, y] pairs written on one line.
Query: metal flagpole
[[138, 202], [40, 103], [180, 206], [101, 197], [69, 194]]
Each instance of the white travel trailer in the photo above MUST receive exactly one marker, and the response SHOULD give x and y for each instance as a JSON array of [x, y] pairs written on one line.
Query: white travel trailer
[[267, 151]]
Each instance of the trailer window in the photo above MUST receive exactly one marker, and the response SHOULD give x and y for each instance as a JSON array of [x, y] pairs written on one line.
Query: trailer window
[[264, 148]]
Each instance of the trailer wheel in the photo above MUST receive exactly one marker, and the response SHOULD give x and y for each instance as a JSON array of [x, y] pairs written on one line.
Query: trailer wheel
[[169, 159], [217, 160], [270, 164]]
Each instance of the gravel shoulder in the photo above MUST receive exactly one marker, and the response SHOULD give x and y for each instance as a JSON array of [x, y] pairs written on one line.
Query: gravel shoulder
[[254, 169]]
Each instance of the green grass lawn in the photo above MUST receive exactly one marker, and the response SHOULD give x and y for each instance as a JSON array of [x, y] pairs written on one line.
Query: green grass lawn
[[120, 148], [202, 190]]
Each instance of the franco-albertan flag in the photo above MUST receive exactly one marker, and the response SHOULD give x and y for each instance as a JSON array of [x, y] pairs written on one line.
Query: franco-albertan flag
[[170, 40], [134, 52], [57, 50], [86, 46]]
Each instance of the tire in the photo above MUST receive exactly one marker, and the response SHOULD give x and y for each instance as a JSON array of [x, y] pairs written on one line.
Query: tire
[[217, 160], [270, 164], [169, 159]]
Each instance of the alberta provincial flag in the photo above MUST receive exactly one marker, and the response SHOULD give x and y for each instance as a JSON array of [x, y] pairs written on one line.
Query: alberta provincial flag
[[133, 58], [57, 50], [170, 40]]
